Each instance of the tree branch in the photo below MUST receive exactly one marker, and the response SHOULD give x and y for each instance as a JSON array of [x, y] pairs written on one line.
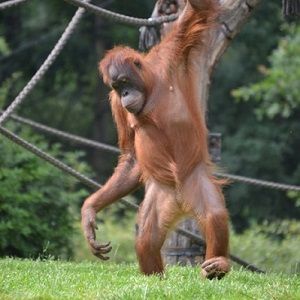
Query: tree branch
[[234, 15]]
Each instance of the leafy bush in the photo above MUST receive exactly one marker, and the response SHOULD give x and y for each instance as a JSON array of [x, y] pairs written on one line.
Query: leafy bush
[[278, 93], [271, 246], [37, 202], [265, 144]]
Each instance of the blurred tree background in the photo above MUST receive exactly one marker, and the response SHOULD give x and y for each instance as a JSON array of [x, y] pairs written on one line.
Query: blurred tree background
[[254, 103]]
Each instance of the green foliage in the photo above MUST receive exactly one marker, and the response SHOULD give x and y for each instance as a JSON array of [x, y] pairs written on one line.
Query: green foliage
[[4, 49], [38, 203], [271, 144], [271, 246], [296, 197], [6, 86], [278, 94], [64, 280]]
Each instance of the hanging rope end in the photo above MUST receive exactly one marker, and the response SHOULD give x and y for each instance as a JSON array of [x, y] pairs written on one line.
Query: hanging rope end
[[291, 8]]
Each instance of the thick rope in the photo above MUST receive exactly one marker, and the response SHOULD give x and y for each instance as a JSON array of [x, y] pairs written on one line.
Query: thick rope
[[55, 162], [95, 144], [8, 4], [94, 185], [121, 18], [45, 66], [62, 134], [258, 182]]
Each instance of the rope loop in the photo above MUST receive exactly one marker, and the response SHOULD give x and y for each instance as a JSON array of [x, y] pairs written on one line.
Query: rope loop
[[259, 182]]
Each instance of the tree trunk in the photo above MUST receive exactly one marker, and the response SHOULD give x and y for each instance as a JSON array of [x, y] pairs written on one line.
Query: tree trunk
[[234, 15]]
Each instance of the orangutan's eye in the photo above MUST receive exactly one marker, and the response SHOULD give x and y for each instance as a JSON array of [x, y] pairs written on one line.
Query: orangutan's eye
[[138, 64]]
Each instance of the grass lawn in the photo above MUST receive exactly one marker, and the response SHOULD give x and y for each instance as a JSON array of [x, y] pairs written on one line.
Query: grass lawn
[[26, 279]]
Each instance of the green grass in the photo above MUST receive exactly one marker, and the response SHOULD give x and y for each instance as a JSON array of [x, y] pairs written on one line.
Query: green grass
[[26, 279]]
